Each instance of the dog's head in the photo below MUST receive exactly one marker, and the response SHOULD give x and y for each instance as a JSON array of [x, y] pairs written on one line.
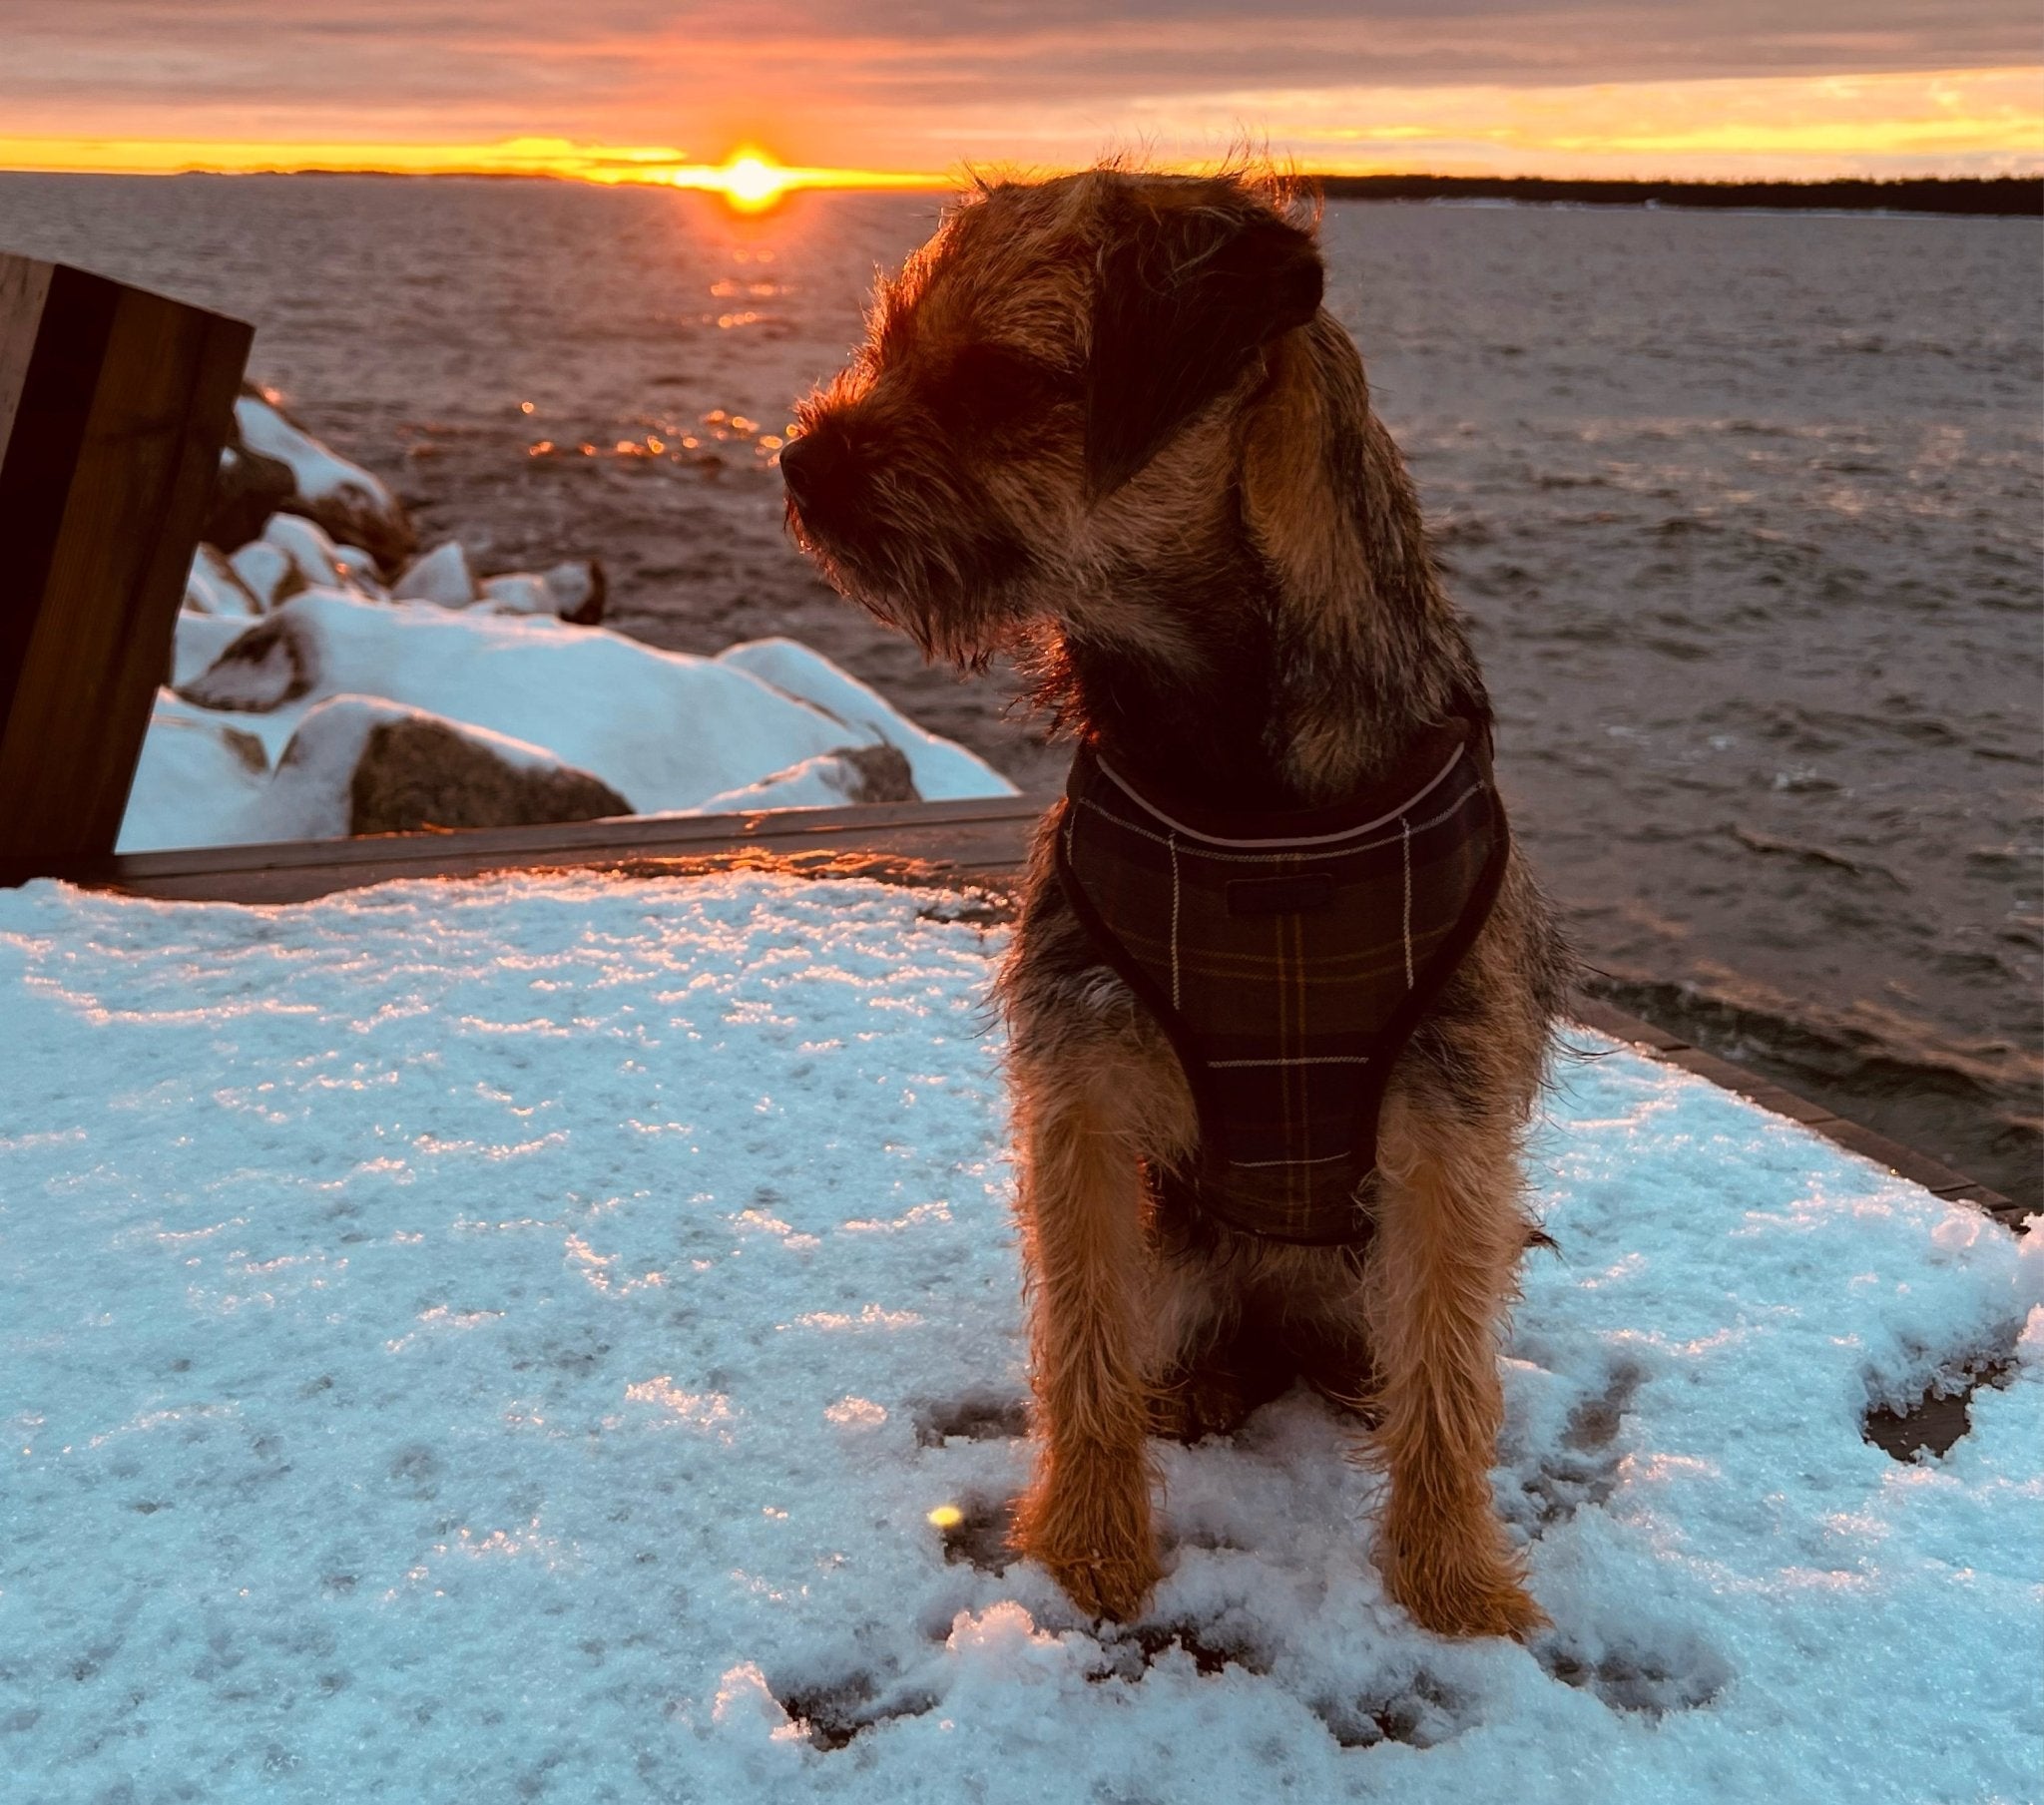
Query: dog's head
[[1046, 397]]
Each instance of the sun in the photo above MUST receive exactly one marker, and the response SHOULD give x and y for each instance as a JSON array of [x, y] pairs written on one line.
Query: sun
[[752, 181]]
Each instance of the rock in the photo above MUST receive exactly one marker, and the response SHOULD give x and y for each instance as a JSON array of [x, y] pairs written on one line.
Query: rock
[[518, 593], [850, 773], [313, 555], [441, 574], [273, 662], [359, 571], [194, 783], [355, 507], [249, 490], [943, 769], [581, 589], [213, 588], [880, 773], [573, 591], [422, 772], [200, 638], [267, 573]]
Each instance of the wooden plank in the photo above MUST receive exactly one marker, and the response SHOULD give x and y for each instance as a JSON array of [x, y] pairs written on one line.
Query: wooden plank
[[1931, 1428], [1820, 1119], [634, 834], [1933, 1175], [1594, 1012], [978, 842], [2013, 1217], [23, 288], [1724, 1074], [119, 409]]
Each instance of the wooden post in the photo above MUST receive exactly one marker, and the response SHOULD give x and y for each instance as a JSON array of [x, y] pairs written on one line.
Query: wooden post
[[114, 406]]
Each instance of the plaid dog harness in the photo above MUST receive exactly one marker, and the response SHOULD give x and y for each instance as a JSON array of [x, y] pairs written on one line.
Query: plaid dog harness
[[1289, 958]]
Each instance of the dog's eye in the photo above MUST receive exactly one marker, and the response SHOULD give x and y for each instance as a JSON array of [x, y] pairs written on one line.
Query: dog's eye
[[988, 385]]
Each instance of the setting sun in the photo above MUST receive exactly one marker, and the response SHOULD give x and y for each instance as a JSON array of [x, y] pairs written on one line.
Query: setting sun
[[752, 183]]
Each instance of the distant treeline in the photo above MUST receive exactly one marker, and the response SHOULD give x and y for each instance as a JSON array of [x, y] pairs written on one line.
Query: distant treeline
[[2007, 194]]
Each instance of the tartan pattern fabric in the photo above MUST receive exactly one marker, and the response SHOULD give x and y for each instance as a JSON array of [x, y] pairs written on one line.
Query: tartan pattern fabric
[[1289, 959]]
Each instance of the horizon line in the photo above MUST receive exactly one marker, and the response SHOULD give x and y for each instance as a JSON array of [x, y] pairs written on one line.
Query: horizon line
[[714, 177]]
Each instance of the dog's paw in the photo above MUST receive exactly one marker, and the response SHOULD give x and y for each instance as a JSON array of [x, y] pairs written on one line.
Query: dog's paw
[[1104, 1587], [1460, 1583], [1090, 1528]]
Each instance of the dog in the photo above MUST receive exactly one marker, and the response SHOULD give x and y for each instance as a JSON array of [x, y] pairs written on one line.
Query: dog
[[1102, 423]]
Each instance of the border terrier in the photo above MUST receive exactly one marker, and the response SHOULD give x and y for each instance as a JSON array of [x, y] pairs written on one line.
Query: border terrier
[[1280, 993]]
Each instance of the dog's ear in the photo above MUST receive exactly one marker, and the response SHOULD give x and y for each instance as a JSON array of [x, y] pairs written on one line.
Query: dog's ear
[[1187, 296]]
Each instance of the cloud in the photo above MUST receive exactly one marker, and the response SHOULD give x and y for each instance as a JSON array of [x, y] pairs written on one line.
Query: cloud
[[920, 84]]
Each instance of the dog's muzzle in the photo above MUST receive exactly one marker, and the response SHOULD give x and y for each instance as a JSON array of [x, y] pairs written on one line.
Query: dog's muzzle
[[818, 469]]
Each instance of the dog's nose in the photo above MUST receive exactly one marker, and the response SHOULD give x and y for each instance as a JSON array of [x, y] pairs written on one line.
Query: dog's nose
[[814, 463]]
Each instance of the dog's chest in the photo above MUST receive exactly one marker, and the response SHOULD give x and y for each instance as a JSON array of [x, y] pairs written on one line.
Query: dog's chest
[[1289, 960]]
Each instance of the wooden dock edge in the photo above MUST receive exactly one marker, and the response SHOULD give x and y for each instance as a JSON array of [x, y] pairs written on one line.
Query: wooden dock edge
[[1906, 1162], [979, 844]]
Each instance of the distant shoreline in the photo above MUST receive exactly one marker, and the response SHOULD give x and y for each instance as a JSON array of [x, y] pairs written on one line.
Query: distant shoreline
[[1980, 196], [2007, 196]]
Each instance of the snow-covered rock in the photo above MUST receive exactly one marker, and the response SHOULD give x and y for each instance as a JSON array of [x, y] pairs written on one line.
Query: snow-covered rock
[[196, 781], [273, 662], [572, 591], [417, 770], [869, 773], [200, 638], [942, 769], [666, 731], [441, 574], [358, 766], [353, 765], [267, 572], [358, 571], [314, 556], [213, 587], [249, 489], [353, 505]]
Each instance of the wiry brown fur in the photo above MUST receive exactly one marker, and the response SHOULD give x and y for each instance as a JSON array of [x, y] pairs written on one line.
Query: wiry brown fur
[[1103, 423]]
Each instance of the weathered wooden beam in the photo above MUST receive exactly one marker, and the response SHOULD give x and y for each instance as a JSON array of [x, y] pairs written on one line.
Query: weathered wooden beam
[[114, 406], [979, 842]]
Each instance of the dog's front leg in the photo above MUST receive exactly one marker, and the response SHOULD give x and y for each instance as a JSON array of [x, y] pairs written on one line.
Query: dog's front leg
[[1086, 1516], [1449, 1238]]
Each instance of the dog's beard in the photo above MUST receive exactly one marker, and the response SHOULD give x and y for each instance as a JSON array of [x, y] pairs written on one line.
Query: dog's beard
[[960, 594]]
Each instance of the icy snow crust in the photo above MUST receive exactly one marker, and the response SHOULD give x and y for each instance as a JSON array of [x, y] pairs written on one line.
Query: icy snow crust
[[474, 1342]]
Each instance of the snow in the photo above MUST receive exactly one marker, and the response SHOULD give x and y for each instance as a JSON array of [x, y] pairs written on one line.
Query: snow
[[942, 769], [211, 587], [199, 780], [201, 637], [499, 1340], [314, 555], [496, 660], [821, 783], [266, 571], [441, 574], [670, 732]]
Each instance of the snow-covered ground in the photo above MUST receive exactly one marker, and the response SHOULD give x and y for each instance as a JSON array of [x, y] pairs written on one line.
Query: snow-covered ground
[[506, 1340]]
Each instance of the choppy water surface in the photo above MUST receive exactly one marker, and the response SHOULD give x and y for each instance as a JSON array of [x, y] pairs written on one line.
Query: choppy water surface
[[1745, 507]]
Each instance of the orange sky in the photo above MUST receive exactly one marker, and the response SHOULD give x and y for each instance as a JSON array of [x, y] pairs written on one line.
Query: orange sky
[[655, 89]]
